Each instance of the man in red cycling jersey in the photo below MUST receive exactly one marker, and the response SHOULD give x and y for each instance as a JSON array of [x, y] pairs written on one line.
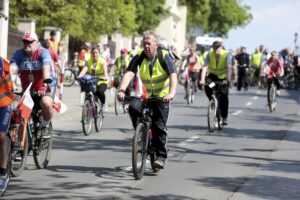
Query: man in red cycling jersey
[[274, 67], [6, 98], [33, 64]]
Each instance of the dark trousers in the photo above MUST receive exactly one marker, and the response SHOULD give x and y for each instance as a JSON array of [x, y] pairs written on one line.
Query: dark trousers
[[158, 126], [100, 92], [276, 81], [223, 97], [242, 78]]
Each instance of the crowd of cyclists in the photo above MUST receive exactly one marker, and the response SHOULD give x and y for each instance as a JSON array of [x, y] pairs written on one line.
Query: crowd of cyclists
[[151, 64]]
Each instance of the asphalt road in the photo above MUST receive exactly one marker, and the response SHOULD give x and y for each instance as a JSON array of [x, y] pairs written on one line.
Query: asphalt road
[[257, 156]]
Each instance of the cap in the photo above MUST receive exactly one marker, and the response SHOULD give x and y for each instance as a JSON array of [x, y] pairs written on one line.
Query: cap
[[123, 50], [30, 37], [217, 44]]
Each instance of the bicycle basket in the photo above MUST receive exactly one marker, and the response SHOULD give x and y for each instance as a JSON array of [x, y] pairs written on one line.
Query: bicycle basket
[[88, 83]]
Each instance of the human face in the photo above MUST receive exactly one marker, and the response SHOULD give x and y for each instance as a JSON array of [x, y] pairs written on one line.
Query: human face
[[95, 54], [150, 46], [30, 46], [217, 50]]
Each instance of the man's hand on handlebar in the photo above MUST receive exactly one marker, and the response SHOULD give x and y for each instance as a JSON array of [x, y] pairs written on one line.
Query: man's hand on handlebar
[[121, 95]]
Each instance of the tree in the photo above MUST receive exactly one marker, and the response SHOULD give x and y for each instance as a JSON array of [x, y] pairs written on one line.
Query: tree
[[84, 20], [148, 14], [87, 20], [216, 16]]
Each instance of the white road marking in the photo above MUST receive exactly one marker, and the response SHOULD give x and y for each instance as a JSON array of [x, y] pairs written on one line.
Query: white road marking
[[249, 103], [190, 140], [237, 112], [255, 97]]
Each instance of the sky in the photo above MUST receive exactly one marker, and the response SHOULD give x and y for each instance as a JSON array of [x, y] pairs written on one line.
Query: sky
[[274, 24]]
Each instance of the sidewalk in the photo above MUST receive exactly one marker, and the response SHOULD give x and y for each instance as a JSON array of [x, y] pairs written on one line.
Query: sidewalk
[[279, 179]]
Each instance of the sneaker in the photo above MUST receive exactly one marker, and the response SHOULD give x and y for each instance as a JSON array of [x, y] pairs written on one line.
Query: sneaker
[[45, 133], [278, 92], [104, 107], [4, 179], [224, 121], [159, 164]]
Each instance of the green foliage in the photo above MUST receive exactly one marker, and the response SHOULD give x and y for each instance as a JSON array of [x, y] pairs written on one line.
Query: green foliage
[[216, 16], [149, 13], [87, 20]]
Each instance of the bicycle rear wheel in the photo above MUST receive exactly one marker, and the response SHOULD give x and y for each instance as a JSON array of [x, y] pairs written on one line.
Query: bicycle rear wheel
[[86, 118], [42, 148], [69, 78], [19, 155], [211, 115], [139, 151], [272, 98], [99, 116], [188, 93]]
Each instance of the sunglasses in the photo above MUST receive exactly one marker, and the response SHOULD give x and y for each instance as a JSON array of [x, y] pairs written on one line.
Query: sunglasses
[[26, 42]]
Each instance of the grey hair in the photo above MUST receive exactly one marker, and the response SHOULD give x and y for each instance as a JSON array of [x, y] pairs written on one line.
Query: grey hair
[[151, 33]]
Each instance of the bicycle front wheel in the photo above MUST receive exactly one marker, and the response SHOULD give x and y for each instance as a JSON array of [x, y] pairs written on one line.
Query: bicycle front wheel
[[272, 98], [211, 115], [118, 106], [139, 151], [86, 118], [19, 152], [99, 116], [69, 78], [42, 147]]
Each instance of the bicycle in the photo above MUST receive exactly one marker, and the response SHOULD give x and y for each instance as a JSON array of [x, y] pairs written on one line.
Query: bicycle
[[91, 107], [70, 75], [272, 96], [120, 106], [142, 141], [191, 90], [214, 112]]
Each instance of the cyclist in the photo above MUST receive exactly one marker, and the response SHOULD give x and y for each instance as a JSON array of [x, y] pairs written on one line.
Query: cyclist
[[217, 63], [96, 66], [6, 98], [194, 67], [158, 75], [33, 64], [274, 70], [121, 65]]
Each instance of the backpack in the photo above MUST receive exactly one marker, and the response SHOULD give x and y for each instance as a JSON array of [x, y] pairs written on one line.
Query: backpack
[[160, 57]]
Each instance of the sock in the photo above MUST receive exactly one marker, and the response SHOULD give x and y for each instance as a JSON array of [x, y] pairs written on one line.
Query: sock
[[2, 171]]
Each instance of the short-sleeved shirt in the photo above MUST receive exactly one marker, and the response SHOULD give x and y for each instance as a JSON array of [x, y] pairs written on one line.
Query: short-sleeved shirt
[[31, 69], [170, 69]]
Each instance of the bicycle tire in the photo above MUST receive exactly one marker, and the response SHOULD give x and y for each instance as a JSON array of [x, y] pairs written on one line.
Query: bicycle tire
[[118, 106], [86, 119], [272, 98], [139, 151], [19, 156], [211, 115], [188, 93], [98, 119], [42, 148], [69, 78]]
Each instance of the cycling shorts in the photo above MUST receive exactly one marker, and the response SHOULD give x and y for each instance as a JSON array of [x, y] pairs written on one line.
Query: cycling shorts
[[5, 114]]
